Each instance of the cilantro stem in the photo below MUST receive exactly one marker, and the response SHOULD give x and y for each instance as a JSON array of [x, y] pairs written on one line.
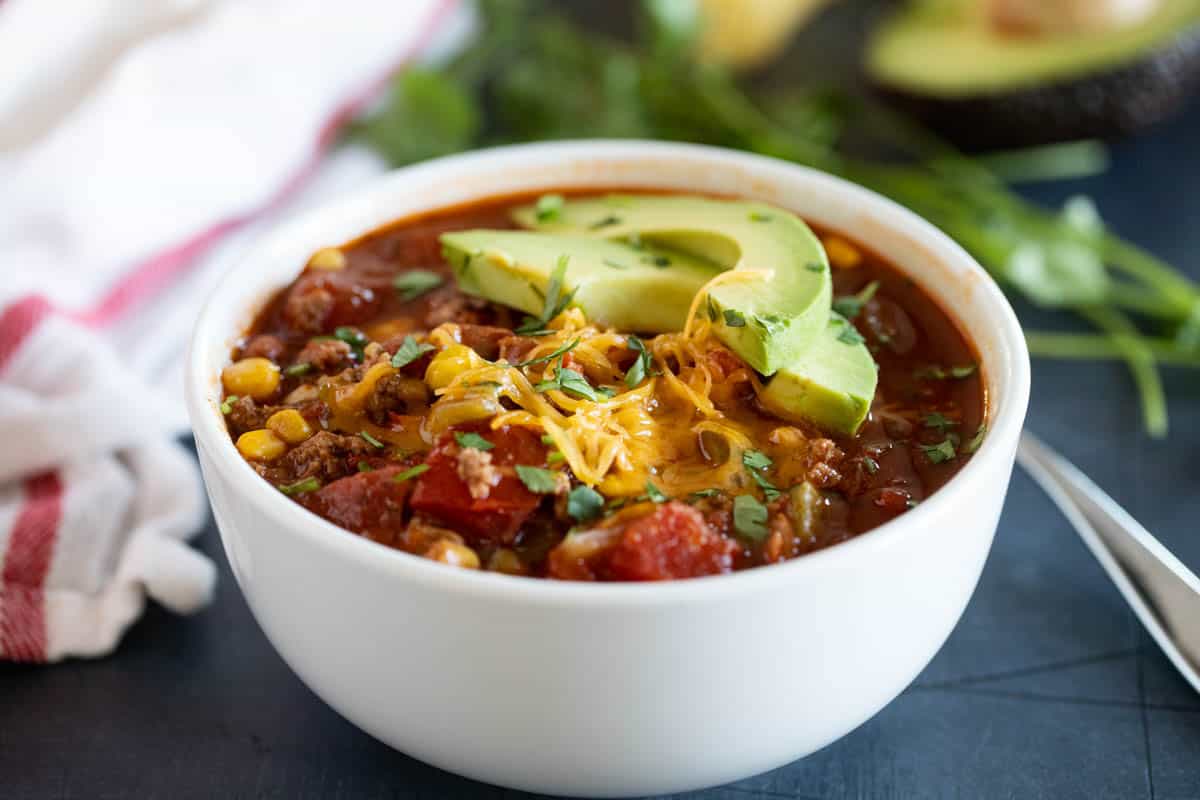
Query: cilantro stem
[[1093, 347], [1141, 366]]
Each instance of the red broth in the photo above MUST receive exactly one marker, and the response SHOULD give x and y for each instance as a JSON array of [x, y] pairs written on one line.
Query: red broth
[[362, 450]]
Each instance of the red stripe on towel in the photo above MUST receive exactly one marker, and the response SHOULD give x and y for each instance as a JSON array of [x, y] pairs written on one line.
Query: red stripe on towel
[[17, 321], [30, 550]]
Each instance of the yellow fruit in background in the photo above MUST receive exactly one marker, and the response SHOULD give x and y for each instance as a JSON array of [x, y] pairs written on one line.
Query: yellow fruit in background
[[746, 33]]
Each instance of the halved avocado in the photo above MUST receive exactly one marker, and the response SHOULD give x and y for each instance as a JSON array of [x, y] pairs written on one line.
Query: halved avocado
[[949, 64], [769, 316]]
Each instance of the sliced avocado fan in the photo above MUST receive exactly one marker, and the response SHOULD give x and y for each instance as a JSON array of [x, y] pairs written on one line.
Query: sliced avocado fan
[[637, 262], [770, 317]]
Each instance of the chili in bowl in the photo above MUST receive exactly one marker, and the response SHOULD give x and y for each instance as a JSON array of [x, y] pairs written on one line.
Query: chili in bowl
[[435, 418]]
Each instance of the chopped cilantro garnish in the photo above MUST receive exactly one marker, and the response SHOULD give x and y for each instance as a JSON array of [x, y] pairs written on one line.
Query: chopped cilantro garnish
[[561, 350], [975, 441], [300, 487], [568, 380], [654, 494], [549, 206], [711, 306], [371, 440], [849, 335], [938, 422], [963, 371], [416, 282], [555, 457], [870, 465], [410, 473], [851, 305], [409, 351], [749, 517], [940, 452], [547, 439], [734, 319], [584, 503], [351, 336], [605, 222], [296, 370], [643, 365], [937, 373], [538, 480], [555, 301], [473, 441], [227, 406], [702, 493], [365, 467], [753, 459]]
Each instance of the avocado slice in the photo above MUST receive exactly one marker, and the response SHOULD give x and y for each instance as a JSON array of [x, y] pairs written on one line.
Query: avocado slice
[[832, 383], [768, 319], [514, 267], [983, 86]]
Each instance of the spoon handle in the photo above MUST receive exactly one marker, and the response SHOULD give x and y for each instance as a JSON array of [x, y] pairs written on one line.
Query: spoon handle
[[1164, 594]]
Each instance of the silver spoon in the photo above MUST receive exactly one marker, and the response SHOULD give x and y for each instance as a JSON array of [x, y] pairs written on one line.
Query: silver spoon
[[1164, 593]]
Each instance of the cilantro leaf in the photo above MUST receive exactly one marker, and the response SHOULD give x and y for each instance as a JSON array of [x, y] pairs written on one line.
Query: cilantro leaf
[[654, 494], [851, 305], [472, 441], [300, 487], [749, 517], [561, 350], [538, 480], [584, 503], [408, 474], [939, 453], [416, 282], [938, 422], [409, 351], [549, 207]]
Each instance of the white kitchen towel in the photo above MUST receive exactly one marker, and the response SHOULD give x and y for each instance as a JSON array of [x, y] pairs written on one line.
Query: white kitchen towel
[[136, 161]]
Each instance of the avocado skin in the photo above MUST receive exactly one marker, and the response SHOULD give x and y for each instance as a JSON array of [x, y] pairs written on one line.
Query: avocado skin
[[1105, 104]]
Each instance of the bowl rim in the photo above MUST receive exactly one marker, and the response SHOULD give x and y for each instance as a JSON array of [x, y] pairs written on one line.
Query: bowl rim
[[1011, 369]]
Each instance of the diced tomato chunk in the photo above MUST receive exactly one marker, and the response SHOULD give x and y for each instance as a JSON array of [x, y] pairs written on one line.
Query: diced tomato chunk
[[369, 503], [672, 542], [442, 492]]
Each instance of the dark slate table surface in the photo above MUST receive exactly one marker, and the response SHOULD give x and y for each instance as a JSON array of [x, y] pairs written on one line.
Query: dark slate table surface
[[1048, 688]]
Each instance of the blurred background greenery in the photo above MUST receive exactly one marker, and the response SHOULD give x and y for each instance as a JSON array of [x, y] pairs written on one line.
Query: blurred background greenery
[[883, 94]]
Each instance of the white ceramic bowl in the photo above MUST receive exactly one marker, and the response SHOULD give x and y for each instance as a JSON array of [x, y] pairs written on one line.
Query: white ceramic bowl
[[617, 689]]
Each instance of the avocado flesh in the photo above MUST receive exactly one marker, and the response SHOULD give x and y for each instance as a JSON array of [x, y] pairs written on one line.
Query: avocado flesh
[[832, 383], [611, 279], [776, 313], [957, 53], [982, 90]]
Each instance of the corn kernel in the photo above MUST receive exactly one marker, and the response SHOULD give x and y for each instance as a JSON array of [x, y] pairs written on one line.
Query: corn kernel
[[261, 445], [506, 561], [328, 258], [449, 364], [289, 425], [454, 554], [251, 377], [842, 254]]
